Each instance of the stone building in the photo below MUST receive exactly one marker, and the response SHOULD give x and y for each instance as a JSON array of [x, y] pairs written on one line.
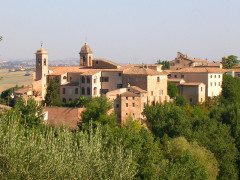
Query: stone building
[[183, 61], [140, 84]]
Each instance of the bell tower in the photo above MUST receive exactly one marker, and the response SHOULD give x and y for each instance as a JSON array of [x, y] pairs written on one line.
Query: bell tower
[[86, 56], [42, 69]]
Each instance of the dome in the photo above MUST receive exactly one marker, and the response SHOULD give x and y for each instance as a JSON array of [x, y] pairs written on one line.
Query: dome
[[41, 51], [86, 49]]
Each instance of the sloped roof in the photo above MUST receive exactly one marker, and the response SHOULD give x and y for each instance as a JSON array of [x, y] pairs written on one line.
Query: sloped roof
[[130, 94], [138, 89], [191, 83], [142, 71], [107, 61], [199, 70]]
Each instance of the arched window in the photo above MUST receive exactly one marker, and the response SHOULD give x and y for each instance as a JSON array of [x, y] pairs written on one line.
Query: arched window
[[83, 79], [88, 91], [64, 100], [39, 62], [64, 77], [84, 60], [83, 91], [45, 61], [95, 91], [95, 79], [88, 79]]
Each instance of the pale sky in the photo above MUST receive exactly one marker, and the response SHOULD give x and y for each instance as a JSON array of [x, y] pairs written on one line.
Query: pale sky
[[123, 31]]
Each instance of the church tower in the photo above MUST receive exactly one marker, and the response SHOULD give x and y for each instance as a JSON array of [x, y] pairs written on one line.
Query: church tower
[[86, 56], [42, 69]]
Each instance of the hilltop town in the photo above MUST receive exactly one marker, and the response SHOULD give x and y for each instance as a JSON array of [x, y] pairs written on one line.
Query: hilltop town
[[130, 87]]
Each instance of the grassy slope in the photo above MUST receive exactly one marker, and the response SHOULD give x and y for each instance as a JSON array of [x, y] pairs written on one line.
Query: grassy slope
[[11, 79]]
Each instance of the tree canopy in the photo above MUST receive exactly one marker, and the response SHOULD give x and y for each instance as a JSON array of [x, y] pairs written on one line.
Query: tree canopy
[[53, 93], [230, 62]]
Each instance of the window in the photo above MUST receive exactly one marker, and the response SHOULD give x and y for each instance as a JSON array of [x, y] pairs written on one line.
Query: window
[[144, 104], [96, 62], [64, 77], [39, 62], [201, 99], [128, 79], [118, 96], [63, 91], [136, 80], [133, 98], [117, 105], [104, 91], [45, 62], [88, 91], [161, 92], [190, 99], [70, 99], [95, 79], [119, 86], [144, 80], [88, 79], [119, 74], [126, 113], [215, 76], [83, 79], [95, 91], [211, 83], [215, 84], [211, 76], [133, 104], [70, 79], [182, 76], [133, 114], [219, 83], [64, 100], [151, 93], [76, 90], [83, 91], [126, 104], [84, 60], [158, 79], [105, 79], [126, 98], [175, 76], [201, 89], [219, 76]]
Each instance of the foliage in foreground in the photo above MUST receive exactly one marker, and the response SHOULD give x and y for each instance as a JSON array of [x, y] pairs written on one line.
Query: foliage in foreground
[[50, 153]]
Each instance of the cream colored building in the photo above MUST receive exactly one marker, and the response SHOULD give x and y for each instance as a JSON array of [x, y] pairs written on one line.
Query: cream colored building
[[211, 77]]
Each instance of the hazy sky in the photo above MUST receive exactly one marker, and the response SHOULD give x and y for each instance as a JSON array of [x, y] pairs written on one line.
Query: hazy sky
[[120, 30]]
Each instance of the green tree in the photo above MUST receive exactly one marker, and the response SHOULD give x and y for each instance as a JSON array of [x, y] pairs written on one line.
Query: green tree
[[53, 93], [166, 64], [172, 90], [205, 158], [30, 113], [1, 38], [98, 111], [230, 62]]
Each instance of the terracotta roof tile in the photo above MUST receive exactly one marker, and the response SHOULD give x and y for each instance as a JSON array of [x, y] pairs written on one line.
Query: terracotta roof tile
[[130, 94], [191, 84], [200, 70]]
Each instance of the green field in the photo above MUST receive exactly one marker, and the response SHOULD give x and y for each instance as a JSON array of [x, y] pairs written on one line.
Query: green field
[[11, 79]]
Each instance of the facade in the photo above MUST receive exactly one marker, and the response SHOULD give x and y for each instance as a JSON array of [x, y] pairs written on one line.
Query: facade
[[194, 92], [211, 77]]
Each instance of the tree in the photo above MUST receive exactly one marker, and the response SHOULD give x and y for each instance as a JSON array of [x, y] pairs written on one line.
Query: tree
[[205, 158], [30, 113], [166, 64], [97, 111], [1, 38], [53, 93], [230, 62], [172, 90]]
